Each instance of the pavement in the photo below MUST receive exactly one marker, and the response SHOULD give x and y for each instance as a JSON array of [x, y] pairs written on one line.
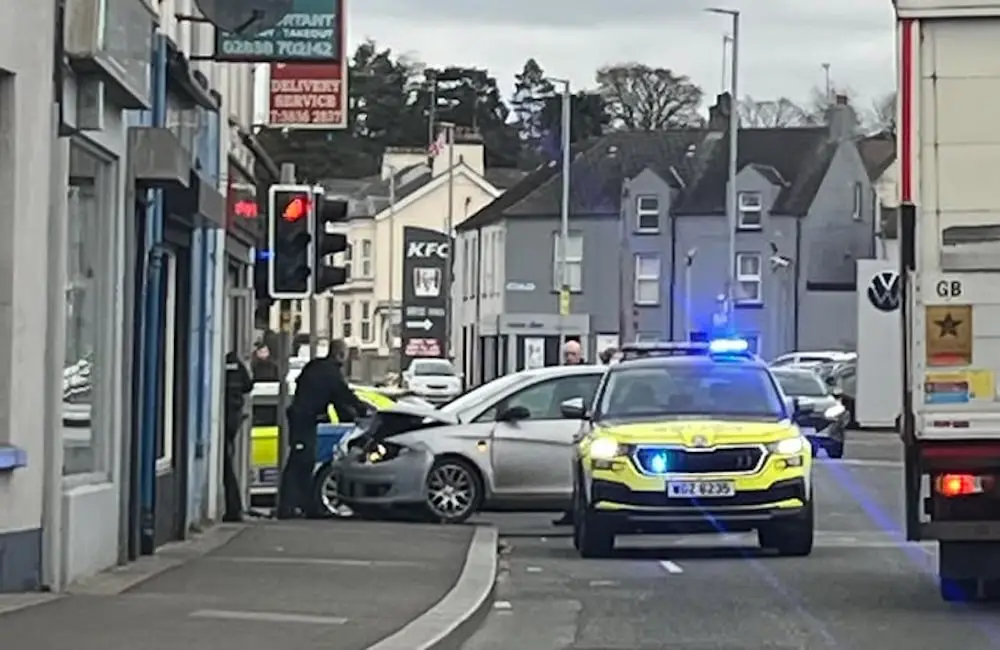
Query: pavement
[[862, 588], [330, 585]]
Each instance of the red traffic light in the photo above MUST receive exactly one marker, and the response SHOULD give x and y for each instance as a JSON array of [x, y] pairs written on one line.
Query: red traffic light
[[297, 208]]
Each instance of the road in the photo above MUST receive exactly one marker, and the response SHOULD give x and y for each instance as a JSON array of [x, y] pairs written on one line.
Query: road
[[862, 588]]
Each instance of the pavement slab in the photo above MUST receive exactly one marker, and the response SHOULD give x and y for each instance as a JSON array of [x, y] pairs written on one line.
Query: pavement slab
[[330, 585]]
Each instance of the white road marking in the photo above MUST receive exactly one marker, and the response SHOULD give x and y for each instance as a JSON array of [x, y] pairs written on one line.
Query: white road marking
[[267, 617], [502, 604], [603, 583], [319, 561], [534, 569], [854, 462], [671, 567]]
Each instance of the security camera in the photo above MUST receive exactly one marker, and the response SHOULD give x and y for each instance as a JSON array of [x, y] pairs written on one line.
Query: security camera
[[779, 262], [689, 256]]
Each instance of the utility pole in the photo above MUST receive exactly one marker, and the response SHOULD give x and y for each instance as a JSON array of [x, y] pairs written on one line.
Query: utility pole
[[432, 113], [395, 361], [829, 89], [283, 352], [449, 229], [565, 307], [734, 125], [726, 40]]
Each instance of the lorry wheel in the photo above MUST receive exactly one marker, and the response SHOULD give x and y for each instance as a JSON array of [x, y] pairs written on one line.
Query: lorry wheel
[[792, 538], [958, 590]]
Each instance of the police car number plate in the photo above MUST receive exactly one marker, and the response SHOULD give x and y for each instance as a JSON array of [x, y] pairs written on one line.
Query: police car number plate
[[700, 489]]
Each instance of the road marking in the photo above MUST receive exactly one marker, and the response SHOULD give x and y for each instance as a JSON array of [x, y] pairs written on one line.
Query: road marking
[[502, 604], [671, 567], [534, 569], [853, 462], [319, 561], [603, 583], [267, 617]]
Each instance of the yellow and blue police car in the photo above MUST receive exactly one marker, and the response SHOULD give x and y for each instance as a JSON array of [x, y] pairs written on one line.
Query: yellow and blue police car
[[690, 438]]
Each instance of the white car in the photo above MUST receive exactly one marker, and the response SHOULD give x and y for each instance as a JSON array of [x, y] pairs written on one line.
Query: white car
[[435, 380]]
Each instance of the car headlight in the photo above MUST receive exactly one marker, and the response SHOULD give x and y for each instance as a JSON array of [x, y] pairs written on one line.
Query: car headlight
[[604, 449], [384, 451], [789, 446], [834, 411]]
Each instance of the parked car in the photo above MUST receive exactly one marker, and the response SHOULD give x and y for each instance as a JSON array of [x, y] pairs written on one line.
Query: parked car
[[820, 415], [842, 379], [502, 445], [817, 357], [433, 379]]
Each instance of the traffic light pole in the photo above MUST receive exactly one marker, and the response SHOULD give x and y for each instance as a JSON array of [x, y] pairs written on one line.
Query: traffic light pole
[[284, 352]]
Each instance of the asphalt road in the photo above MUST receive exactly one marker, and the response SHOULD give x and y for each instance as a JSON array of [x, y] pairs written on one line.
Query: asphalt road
[[862, 588]]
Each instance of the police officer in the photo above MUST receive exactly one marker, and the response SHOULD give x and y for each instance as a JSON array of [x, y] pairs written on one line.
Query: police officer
[[320, 384], [238, 385]]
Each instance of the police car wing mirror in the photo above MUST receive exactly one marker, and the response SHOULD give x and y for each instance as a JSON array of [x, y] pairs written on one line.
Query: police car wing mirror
[[573, 409], [514, 414]]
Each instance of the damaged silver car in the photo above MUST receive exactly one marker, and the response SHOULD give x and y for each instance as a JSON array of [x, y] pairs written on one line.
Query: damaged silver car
[[503, 446]]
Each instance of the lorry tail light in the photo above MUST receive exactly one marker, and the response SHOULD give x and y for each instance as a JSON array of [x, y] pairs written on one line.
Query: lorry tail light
[[958, 485]]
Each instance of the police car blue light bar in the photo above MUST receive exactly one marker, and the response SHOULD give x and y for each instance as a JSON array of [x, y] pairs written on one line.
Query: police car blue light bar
[[729, 346]]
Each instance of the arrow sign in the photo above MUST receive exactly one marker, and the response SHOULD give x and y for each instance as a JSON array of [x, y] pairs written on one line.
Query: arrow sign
[[425, 324]]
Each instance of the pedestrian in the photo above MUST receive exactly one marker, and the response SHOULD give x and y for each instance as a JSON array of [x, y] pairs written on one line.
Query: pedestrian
[[608, 355], [572, 353], [238, 386], [320, 384], [264, 367]]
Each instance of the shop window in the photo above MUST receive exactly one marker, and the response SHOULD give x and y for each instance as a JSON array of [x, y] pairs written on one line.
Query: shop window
[[91, 250]]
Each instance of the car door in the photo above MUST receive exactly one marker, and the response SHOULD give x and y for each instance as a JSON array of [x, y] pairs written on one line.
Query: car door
[[532, 458]]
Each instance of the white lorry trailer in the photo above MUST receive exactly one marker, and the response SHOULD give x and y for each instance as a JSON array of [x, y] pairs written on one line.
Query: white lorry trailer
[[949, 156]]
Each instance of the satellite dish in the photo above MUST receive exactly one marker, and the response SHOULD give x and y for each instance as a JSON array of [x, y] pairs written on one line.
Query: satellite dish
[[244, 17]]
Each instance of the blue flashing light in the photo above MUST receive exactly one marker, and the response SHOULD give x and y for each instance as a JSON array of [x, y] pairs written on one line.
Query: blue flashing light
[[728, 346], [263, 255], [658, 463]]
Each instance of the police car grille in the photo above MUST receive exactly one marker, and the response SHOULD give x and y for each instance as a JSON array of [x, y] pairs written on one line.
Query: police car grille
[[735, 459]]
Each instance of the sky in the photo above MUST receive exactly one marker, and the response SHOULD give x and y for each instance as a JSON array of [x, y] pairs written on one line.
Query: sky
[[783, 44]]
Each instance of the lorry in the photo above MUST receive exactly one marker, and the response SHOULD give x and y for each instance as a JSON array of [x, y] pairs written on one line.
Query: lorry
[[949, 160]]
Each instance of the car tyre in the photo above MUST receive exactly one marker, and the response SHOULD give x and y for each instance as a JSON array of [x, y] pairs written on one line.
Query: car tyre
[[589, 537], [449, 506], [792, 538], [325, 499]]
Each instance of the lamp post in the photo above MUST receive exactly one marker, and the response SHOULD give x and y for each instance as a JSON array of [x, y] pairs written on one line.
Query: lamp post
[[734, 125], [566, 124], [449, 227]]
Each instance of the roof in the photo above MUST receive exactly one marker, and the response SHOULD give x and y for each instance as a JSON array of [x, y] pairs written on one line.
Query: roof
[[878, 152], [688, 360], [598, 168], [796, 157], [504, 178]]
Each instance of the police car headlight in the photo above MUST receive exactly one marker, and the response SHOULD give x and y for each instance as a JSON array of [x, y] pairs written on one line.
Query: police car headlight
[[604, 449], [789, 446], [834, 411]]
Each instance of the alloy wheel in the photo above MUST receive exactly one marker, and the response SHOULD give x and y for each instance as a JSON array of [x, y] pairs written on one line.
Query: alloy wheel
[[451, 491]]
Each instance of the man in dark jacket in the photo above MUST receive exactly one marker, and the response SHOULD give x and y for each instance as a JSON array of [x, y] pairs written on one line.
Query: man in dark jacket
[[320, 384], [238, 385], [264, 367]]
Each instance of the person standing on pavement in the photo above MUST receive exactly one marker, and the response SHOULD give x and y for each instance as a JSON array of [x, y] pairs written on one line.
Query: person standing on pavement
[[320, 384], [264, 367], [572, 356], [238, 385]]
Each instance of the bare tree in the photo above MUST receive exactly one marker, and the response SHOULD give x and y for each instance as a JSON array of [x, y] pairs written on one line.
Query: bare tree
[[644, 98], [773, 114], [882, 116]]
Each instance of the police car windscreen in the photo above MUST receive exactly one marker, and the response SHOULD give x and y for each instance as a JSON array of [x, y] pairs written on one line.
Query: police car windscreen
[[265, 415], [698, 390]]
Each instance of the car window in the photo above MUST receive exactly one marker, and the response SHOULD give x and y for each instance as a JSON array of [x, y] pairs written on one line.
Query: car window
[[801, 384], [425, 368], [265, 415], [543, 399], [784, 360]]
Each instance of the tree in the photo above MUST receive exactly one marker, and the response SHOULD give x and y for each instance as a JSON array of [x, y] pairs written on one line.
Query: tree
[[589, 118], [531, 93], [470, 98], [882, 116], [644, 98], [779, 113]]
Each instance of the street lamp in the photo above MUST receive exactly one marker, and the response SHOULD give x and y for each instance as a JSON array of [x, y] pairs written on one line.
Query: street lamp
[[564, 279], [734, 125]]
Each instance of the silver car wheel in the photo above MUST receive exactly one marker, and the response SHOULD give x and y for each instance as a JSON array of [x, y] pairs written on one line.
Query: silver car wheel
[[328, 495], [451, 491]]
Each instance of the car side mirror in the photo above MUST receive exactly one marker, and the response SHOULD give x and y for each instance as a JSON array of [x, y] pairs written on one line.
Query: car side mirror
[[801, 408], [573, 409], [514, 414]]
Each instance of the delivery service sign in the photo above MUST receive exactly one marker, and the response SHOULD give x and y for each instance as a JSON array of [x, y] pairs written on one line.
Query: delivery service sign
[[312, 31], [307, 96]]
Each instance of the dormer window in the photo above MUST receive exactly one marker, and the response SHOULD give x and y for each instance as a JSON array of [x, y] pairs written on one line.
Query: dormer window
[[750, 208], [647, 214]]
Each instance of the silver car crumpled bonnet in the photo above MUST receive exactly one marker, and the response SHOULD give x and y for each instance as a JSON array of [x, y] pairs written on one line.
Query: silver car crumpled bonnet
[[397, 420]]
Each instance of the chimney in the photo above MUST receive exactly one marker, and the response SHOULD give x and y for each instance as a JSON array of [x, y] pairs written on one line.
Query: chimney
[[841, 119], [718, 115]]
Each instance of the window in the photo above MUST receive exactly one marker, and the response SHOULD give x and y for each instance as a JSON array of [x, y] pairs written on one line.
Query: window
[[543, 399], [91, 249], [647, 279], [574, 262], [647, 214], [366, 258], [348, 261], [487, 285], [858, 197], [346, 329], [748, 278], [468, 275], [648, 337], [750, 208], [366, 322], [798, 383]]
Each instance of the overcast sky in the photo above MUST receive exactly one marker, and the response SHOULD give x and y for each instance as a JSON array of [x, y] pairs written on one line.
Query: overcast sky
[[783, 43]]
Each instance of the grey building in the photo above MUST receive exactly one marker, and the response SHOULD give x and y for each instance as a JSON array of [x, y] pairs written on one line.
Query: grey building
[[649, 247]]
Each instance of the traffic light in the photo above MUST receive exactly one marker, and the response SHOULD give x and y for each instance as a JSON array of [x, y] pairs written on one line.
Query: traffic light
[[325, 274], [290, 218]]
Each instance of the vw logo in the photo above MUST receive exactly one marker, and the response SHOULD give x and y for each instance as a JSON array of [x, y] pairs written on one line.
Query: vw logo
[[699, 441], [884, 290]]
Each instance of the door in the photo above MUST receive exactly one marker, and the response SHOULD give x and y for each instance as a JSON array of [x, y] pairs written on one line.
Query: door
[[241, 333], [533, 458]]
